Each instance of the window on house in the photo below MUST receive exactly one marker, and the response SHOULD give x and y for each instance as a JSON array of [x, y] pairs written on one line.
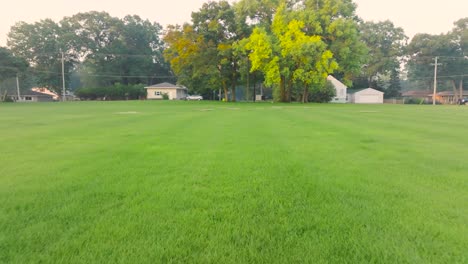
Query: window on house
[[158, 93], [28, 98]]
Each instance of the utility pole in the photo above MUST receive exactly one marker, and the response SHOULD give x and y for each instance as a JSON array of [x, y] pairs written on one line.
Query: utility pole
[[63, 76], [18, 88], [435, 80]]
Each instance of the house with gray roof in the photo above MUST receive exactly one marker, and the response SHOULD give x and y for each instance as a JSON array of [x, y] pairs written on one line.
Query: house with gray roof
[[31, 97], [174, 92]]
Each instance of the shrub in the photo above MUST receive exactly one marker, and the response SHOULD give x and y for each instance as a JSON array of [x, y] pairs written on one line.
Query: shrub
[[7, 99], [413, 100], [116, 92], [322, 94]]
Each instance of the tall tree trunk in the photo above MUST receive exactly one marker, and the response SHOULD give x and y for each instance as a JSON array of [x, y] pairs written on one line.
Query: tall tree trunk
[[254, 92], [289, 91], [283, 89], [455, 94], [305, 96], [233, 90], [247, 88], [369, 80], [226, 98], [461, 88], [233, 82]]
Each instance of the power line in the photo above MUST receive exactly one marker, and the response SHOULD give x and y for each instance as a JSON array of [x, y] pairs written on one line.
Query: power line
[[57, 54], [98, 75], [158, 53], [440, 77], [128, 76]]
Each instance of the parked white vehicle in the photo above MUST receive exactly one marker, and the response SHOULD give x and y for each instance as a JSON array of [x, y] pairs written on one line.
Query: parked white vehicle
[[194, 97]]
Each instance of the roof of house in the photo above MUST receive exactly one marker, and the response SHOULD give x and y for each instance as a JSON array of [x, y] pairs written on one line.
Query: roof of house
[[46, 91], [166, 85], [451, 93], [32, 93], [337, 84], [416, 93], [353, 91]]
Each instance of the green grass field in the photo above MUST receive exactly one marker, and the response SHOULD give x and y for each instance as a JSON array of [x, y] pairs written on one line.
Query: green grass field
[[204, 182]]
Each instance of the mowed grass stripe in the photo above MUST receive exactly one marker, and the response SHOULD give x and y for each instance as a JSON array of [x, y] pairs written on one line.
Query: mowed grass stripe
[[232, 183]]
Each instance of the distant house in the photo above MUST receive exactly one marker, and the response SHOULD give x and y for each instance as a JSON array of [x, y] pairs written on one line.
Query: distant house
[[69, 96], [32, 96], [46, 91], [365, 96], [422, 96], [340, 90], [448, 97], [174, 92]]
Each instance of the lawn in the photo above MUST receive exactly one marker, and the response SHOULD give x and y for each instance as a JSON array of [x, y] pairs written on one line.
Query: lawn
[[204, 182]]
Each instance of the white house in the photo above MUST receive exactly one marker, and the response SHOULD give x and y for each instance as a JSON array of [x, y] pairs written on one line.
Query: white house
[[340, 90], [31, 96], [174, 92], [365, 96]]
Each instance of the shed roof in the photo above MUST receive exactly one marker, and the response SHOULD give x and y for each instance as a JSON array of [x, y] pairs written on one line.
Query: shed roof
[[353, 91]]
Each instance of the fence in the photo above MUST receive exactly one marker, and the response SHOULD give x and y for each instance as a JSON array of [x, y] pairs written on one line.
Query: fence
[[394, 101]]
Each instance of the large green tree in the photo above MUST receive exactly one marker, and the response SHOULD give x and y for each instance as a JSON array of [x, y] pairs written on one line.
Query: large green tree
[[203, 53], [257, 12], [333, 22], [11, 65], [458, 67], [337, 23], [99, 50], [289, 56], [41, 44], [386, 44], [127, 50], [450, 49]]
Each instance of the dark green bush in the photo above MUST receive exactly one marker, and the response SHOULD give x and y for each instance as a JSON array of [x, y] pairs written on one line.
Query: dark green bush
[[116, 92], [7, 99], [322, 94], [412, 100]]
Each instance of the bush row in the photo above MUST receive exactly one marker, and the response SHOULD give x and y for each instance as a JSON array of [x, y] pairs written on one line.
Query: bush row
[[116, 92]]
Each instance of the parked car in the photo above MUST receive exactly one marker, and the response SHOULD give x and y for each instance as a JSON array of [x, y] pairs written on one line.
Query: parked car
[[194, 97], [463, 101]]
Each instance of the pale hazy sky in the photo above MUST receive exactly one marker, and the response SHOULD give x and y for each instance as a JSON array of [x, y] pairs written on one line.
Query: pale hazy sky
[[414, 16]]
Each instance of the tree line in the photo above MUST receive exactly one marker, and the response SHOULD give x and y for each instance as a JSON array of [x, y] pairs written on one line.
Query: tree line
[[98, 50], [288, 45]]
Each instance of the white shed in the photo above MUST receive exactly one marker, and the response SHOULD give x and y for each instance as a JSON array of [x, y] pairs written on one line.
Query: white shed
[[365, 96], [340, 90]]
